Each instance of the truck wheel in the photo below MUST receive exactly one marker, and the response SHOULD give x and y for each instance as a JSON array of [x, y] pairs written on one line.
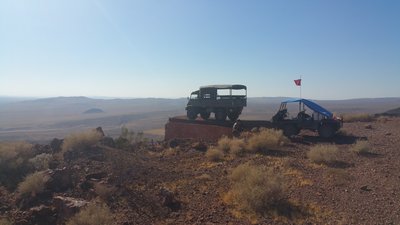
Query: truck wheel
[[233, 116], [220, 115], [191, 114], [290, 130], [326, 131], [205, 115]]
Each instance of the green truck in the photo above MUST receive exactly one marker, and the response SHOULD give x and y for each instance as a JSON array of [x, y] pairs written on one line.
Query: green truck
[[222, 100]]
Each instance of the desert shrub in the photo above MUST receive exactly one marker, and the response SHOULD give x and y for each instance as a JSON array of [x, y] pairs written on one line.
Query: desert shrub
[[323, 153], [338, 177], [14, 164], [215, 154], [41, 161], [266, 139], [256, 189], [129, 138], [224, 143], [361, 147], [33, 183], [93, 214], [237, 147], [81, 141], [360, 117]]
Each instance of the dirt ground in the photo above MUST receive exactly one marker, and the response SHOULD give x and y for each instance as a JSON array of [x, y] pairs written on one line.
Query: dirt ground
[[163, 185]]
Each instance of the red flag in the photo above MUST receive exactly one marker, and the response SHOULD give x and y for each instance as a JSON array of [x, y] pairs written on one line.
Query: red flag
[[297, 82]]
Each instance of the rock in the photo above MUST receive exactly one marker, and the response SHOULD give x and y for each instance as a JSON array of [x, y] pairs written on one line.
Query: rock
[[365, 188], [96, 176], [60, 180], [173, 143], [56, 144], [369, 126], [100, 130], [200, 146], [67, 206], [168, 199], [43, 215], [108, 141]]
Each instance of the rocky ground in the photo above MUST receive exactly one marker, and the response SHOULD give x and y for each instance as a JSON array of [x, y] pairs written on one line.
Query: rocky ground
[[174, 183]]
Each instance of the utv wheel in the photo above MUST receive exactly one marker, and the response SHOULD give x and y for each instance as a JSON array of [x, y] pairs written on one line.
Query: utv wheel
[[290, 130], [205, 115], [326, 131], [191, 114], [220, 115], [233, 116]]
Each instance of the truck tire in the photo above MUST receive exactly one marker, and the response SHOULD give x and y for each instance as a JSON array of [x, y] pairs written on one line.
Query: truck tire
[[191, 114], [205, 115], [220, 115], [233, 116], [326, 131], [290, 130]]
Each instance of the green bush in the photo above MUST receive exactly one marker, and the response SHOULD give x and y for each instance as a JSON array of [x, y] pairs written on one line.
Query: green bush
[[256, 189], [93, 214], [323, 153]]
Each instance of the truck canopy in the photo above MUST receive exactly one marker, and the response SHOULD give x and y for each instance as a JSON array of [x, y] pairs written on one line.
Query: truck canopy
[[312, 105], [228, 86]]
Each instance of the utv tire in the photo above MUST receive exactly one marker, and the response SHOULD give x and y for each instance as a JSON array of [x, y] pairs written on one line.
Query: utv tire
[[220, 115], [233, 116], [326, 131], [290, 130], [205, 115]]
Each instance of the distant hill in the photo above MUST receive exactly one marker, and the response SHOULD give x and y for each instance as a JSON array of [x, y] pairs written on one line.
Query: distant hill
[[93, 110], [44, 119], [392, 112]]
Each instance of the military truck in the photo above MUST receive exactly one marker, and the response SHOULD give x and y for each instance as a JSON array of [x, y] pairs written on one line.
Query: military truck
[[320, 119], [222, 100]]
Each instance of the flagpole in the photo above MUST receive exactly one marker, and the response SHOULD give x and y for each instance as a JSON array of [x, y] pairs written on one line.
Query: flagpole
[[300, 86]]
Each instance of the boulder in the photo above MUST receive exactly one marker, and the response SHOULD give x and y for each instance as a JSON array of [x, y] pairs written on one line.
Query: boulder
[[43, 215], [56, 144], [60, 180], [66, 207]]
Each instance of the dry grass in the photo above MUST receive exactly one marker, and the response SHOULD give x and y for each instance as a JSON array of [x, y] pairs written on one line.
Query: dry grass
[[81, 141], [215, 154], [93, 214], [237, 147], [323, 154], [255, 189], [361, 147], [266, 139], [5, 221], [361, 117], [14, 164], [224, 144], [33, 184]]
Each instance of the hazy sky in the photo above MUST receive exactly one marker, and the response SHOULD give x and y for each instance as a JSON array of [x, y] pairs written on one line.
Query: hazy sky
[[168, 48]]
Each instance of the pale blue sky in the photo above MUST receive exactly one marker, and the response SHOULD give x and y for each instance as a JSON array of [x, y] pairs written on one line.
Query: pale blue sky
[[167, 48]]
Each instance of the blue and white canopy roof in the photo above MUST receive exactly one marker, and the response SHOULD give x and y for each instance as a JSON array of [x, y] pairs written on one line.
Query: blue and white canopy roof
[[312, 105]]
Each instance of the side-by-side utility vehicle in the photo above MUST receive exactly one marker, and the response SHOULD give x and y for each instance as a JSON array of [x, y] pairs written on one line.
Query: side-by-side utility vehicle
[[320, 119]]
